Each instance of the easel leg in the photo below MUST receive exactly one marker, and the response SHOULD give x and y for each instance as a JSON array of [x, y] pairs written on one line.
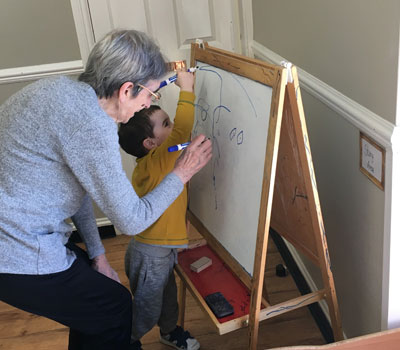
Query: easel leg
[[182, 303], [265, 291], [336, 323], [257, 288]]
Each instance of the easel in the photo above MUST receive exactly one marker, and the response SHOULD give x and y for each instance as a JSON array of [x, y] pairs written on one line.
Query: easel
[[294, 209]]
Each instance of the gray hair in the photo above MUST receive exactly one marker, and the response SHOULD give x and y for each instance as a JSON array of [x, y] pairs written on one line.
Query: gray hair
[[121, 56]]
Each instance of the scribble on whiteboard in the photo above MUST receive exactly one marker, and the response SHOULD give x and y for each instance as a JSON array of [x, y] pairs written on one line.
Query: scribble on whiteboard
[[204, 107], [233, 111], [240, 138], [210, 111], [245, 92], [232, 134]]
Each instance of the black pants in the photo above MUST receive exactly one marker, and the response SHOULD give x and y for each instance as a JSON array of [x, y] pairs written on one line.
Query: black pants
[[97, 310]]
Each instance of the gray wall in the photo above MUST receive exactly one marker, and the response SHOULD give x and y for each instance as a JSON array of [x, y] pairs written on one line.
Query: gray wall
[[352, 46], [37, 32], [34, 33]]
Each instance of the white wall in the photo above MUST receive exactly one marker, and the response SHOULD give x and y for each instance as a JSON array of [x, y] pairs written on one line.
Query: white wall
[[349, 51]]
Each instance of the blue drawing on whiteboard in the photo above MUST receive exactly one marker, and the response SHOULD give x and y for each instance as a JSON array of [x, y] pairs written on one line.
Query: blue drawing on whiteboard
[[232, 134], [210, 124], [217, 109], [215, 185], [204, 107], [239, 136], [244, 90]]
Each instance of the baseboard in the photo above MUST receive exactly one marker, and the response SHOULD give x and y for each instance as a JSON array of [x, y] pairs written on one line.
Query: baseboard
[[107, 231], [315, 309]]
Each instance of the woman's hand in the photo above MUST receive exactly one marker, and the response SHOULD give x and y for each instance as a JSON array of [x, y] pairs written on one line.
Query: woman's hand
[[101, 264], [193, 158]]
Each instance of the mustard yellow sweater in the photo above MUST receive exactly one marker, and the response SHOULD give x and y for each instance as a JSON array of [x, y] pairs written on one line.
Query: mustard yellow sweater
[[170, 228]]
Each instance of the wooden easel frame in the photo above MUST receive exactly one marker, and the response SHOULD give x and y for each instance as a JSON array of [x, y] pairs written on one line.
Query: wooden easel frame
[[286, 100]]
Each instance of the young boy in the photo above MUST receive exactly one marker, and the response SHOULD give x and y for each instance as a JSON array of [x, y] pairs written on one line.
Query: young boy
[[151, 255]]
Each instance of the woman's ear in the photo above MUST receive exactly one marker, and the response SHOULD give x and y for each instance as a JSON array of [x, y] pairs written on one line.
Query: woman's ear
[[125, 91], [149, 143]]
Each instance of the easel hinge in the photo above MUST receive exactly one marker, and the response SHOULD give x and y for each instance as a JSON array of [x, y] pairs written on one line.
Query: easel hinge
[[288, 66], [200, 42]]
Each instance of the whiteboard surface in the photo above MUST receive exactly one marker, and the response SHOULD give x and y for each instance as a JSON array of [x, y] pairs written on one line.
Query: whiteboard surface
[[233, 111]]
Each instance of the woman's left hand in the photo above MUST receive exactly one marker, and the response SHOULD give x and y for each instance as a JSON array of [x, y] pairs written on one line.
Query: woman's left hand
[[101, 264]]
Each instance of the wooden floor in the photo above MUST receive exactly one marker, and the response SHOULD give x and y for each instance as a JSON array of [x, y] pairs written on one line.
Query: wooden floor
[[23, 331]]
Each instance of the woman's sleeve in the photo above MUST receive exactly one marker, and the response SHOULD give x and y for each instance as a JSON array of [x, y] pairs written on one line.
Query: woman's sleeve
[[94, 158], [85, 222]]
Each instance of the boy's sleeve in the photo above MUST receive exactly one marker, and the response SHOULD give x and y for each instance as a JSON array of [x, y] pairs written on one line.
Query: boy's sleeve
[[184, 119], [183, 124]]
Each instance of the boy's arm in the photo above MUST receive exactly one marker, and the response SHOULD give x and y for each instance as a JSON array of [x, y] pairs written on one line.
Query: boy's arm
[[181, 133], [184, 117]]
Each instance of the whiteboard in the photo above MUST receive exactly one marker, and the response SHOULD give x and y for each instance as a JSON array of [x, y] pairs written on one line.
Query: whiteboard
[[233, 111]]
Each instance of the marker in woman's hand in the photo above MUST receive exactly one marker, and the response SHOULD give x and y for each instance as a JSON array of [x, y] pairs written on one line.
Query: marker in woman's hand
[[173, 78], [182, 146], [178, 147]]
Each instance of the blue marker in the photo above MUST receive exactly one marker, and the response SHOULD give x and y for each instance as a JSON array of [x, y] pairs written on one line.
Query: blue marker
[[173, 78], [178, 147]]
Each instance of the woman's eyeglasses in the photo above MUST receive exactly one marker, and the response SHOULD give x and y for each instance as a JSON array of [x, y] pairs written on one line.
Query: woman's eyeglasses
[[155, 96]]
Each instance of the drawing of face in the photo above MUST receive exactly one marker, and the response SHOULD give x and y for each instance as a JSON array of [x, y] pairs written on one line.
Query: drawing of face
[[162, 126]]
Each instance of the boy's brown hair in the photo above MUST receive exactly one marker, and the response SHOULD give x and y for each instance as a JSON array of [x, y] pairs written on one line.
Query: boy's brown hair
[[136, 130]]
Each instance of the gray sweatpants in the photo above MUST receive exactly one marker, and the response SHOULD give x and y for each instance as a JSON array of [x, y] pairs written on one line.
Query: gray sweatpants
[[150, 270]]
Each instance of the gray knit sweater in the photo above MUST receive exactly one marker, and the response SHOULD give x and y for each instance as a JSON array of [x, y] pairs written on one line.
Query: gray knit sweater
[[58, 149]]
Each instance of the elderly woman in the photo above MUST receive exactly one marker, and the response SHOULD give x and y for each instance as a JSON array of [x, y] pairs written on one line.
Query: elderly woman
[[58, 150]]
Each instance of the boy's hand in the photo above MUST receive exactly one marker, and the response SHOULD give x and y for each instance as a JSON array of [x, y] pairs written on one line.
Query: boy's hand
[[185, 80], [193, 158]]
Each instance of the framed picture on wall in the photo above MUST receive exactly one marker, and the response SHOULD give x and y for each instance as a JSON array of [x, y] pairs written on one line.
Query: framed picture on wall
[[372, 160]]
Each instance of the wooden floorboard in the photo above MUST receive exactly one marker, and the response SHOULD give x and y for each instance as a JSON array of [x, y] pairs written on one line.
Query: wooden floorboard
[[20, 330]]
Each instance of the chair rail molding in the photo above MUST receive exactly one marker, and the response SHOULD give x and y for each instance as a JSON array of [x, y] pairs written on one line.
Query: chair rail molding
[[27, 73]]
